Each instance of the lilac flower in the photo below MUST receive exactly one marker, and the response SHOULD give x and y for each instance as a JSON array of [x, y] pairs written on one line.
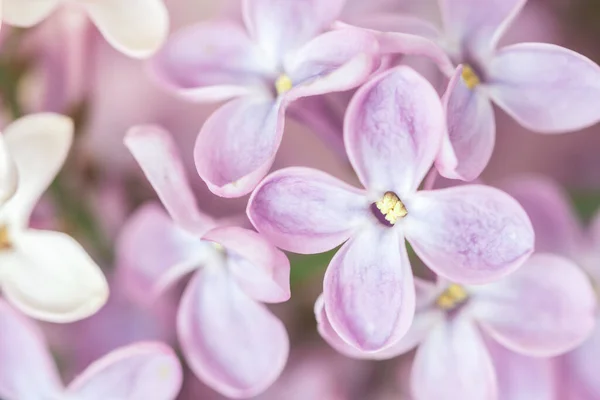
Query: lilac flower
[[46, 274], [544, 87], [145, 370], [545, 308], [557, 229], [134, 27], [230, 340], [279, 56], [468, 234]]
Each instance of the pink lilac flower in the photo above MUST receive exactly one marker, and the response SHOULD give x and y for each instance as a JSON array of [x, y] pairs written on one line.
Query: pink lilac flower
[[558, 230], [468, 234], [46, 274], [145, 370], [230, 340], [544, 87], [526, 314], [280, 55], [134, 27]]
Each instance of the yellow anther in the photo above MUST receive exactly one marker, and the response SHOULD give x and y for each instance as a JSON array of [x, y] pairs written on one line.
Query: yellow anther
[[453, 296], [470, 77], [391, 207], [283, 84], [5, 242]]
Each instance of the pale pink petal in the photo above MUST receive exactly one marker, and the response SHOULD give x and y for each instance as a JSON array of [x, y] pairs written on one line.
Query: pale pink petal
[[307, 211], [545, 308], [232, 343], [583, 365], [28, 370], [371, 269], [477, 25], [334, 61], [38, 144], [211, 61], [26, 13], [521, 377], [158, 156], [9, 176], [136, 28], [393, 130], [468, 147], [141, 371], [283, 26], [557, 229], [49, 276], [237, 144], [546, 88], [468, 234], [261, 270], [453, 363], [153, 253]]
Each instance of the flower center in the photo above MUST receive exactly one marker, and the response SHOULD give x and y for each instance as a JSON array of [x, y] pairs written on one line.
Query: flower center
[[283, 84], [5, 242], [454, 296], [470, 77], [391, 207]]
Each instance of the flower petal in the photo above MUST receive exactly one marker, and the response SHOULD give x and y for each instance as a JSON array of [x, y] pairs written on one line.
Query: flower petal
[[306, 211], [546, 88], [153, 253], [49, 276], [261, 270], [477, 25], [396, 116], [211, 61], [144, 370], [232, 343], [29, 371], [557, 229], [468, 147], [38, 144], [283, 26], [136, 28], [371, 269], [453, 363], [9, 176], [332, 62], [583, 364], [26, 13], [468, 234], [158, 156], [538, 316], [237, 144]]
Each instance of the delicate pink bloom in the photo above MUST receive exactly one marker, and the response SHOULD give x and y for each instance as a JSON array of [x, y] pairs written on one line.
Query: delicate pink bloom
[[279, 56], [544, 87], [525, 313], [135, 27], [558, 230], [146, 370], [230, 340], [46, 274], [469, 234]]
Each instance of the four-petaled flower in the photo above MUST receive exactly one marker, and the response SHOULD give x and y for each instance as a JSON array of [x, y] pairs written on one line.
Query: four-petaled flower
[[469, 234]]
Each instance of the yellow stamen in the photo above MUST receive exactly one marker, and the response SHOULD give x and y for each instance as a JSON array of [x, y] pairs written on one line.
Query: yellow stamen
[[5, 242], [391, 207], [283, 84], [453, 296], [470, 77]]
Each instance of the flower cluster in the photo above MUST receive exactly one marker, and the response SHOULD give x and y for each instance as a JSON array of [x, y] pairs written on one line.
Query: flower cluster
[[473, 291]]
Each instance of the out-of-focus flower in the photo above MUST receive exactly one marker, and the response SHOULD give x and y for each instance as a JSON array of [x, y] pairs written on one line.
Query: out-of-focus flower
[[280, 56], [46, 274], [135, 27], [558, 230], [526, 314], [145, 370], [468, 234], [230, 340]]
